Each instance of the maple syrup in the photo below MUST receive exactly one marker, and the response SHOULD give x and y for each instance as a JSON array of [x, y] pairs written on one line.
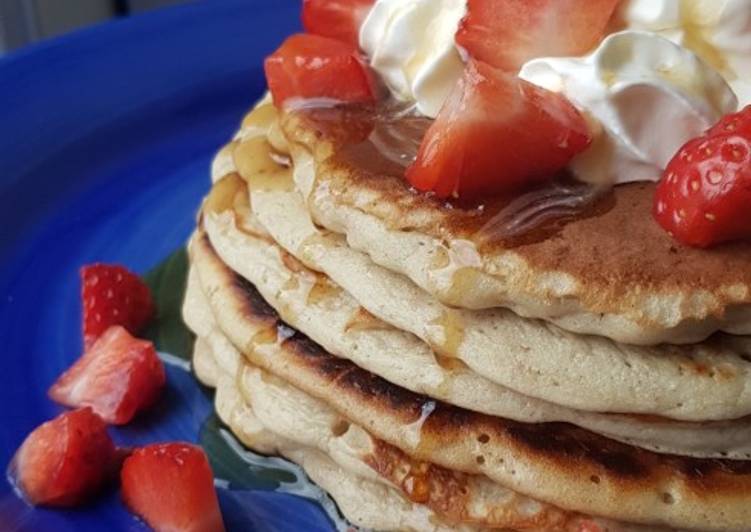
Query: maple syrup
[[253, 160], [450, 329], [451, 364], [383, 140], [322, 291], [266, 336]]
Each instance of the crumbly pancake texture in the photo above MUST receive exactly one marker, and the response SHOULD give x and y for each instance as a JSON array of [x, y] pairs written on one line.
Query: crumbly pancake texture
[[613, 272], [557, 463]]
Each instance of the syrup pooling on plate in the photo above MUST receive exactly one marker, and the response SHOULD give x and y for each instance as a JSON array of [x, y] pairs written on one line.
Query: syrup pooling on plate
[[383, 140]]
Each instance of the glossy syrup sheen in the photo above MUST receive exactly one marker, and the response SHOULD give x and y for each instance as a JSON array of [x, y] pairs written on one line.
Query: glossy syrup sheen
[[380, 142]]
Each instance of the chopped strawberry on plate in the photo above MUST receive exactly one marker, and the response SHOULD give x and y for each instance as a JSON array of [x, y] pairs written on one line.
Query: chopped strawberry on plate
[[311, 66], [171, 486], [65, 461], [112, 295], [496, 133], [508, 33], [338, 19], [117, 377], [704, 197]]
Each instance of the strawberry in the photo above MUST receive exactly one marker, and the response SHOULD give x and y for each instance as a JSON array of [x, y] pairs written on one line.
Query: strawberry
[[311, 66], [171, 486], [734, 123], [496, 133], [338, 19], [112, 295], [117, 377], [508, 33], [65, 461], [704, 196]]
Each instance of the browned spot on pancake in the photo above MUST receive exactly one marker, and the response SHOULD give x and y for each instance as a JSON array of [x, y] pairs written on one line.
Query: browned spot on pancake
[[571, 443], [558, 441], [450, 493], [315, 357], [257, 306]]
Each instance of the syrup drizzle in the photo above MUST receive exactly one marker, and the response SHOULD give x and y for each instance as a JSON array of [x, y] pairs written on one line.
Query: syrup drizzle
[[546, 208], [383, 140]]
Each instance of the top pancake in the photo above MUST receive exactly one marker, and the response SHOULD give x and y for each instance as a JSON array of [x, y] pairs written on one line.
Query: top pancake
[[609, 270]]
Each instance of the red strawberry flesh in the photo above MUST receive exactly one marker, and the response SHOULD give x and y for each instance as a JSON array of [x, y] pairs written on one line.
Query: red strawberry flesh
[[117, 377], [495, 134], [508, 33], [704, 196], [337, 19], [65, 461], [171, 486], [310, 66], [113, 295]]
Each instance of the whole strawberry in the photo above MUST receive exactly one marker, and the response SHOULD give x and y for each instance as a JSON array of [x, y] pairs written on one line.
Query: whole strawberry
[[704, 197], [112, 295]]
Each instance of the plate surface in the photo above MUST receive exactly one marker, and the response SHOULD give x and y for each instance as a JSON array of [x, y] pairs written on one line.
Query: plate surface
[[106, 136]]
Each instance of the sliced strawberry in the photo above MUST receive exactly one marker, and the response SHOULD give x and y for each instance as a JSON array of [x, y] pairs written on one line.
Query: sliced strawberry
[[117, 377], [704, 196], [171, 486], [311, 66], [112, 295], [338, 19], [496, 133], [508, 33], [65, 461]]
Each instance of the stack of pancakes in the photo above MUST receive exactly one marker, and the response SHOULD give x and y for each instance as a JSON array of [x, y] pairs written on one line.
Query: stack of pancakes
[[433, 370]]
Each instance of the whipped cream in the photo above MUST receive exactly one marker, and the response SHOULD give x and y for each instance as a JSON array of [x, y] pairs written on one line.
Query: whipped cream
[[410, 43], [718, 31], [645, 90], [646, 95]]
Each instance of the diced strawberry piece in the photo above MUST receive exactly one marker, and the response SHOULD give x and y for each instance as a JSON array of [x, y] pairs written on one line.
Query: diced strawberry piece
[[508, 33], [311, 66], [338, 19], [118, 377], [496, 133], [112, 295], [704, 196], [65, 461], [171, 486]]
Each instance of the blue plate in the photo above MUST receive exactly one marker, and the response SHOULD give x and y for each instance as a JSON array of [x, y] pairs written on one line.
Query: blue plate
[[105, 141]]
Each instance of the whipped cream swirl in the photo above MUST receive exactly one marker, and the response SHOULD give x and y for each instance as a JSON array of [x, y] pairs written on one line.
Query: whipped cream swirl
[[410, 43], [718, 31], [647, 96]]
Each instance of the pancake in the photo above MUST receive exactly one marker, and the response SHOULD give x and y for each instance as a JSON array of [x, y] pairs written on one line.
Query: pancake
[[610, 271], [365, 503], [272, 416], [556, 463], [415, 369], [495, 352]]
